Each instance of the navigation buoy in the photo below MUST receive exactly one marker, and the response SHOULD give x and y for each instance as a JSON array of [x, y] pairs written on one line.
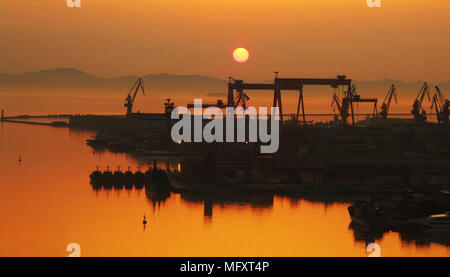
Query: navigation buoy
[[144, 221]]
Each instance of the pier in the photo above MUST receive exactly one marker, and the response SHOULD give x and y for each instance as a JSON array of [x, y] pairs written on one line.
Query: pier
[[24, 119]]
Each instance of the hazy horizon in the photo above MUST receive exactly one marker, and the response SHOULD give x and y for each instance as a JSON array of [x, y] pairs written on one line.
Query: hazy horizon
[[221, 78]]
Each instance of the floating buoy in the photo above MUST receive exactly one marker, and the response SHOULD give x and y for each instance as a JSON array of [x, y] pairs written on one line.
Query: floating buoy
[[144, 221]]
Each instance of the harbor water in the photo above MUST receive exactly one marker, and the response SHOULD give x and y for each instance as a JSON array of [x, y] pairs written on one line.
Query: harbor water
[[46, 203]]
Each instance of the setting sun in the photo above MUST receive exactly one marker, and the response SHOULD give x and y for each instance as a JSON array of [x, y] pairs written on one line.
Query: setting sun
[[240, 55]]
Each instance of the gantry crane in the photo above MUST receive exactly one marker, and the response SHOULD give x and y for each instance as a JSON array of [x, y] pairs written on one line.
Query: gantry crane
[[387, 102], [417, 109], [279, 85], [129, 100], [233, 101], [352, 96], [441, 105]]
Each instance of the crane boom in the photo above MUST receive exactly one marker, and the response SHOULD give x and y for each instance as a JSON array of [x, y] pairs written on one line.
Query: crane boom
[[438, 91], [241, 99], [424, 91], [441, 105], [387, 101], [434, 104], [392, 93], [417, 109], [129, 100], [336, 102], [342, 106], [439, 96]]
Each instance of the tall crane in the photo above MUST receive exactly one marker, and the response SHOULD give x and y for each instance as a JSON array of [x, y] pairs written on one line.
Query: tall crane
[[342, 106], [417, 109], [336, 103], [241, 99], [441, 105], [129, 100], [387, 102], [351, 96], [345, 106]]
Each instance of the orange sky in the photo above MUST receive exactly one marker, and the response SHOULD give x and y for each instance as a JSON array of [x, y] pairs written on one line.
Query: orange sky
[[404, 39]]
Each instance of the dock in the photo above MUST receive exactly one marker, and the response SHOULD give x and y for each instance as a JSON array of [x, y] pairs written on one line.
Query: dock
[[23, 119]]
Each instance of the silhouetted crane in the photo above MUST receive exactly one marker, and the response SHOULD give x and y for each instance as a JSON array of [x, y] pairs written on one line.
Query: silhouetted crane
[[241, 99], [387, 102], [441, 105], [417, 109], [129, 100], [342, 106], [351, 96]]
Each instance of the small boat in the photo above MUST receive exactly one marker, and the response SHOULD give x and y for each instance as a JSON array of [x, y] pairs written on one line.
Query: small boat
[[108, 178], [440, 220], [129, 179], [435, 222], [119, 178], [139, 177], [96, 176], [157, 177]]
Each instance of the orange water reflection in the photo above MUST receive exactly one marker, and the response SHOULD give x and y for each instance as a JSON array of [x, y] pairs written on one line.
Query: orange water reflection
[[46, 203]]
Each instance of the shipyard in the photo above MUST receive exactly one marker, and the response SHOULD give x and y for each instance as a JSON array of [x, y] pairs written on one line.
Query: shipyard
[[214, 136], [395, 171]]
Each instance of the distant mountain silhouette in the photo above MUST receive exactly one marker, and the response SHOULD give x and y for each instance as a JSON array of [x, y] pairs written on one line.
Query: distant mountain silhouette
[[69, 78], [381, 87], [54, 78]]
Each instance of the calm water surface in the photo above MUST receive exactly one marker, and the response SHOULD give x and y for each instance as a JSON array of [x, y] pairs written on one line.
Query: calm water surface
[[46, 202]]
